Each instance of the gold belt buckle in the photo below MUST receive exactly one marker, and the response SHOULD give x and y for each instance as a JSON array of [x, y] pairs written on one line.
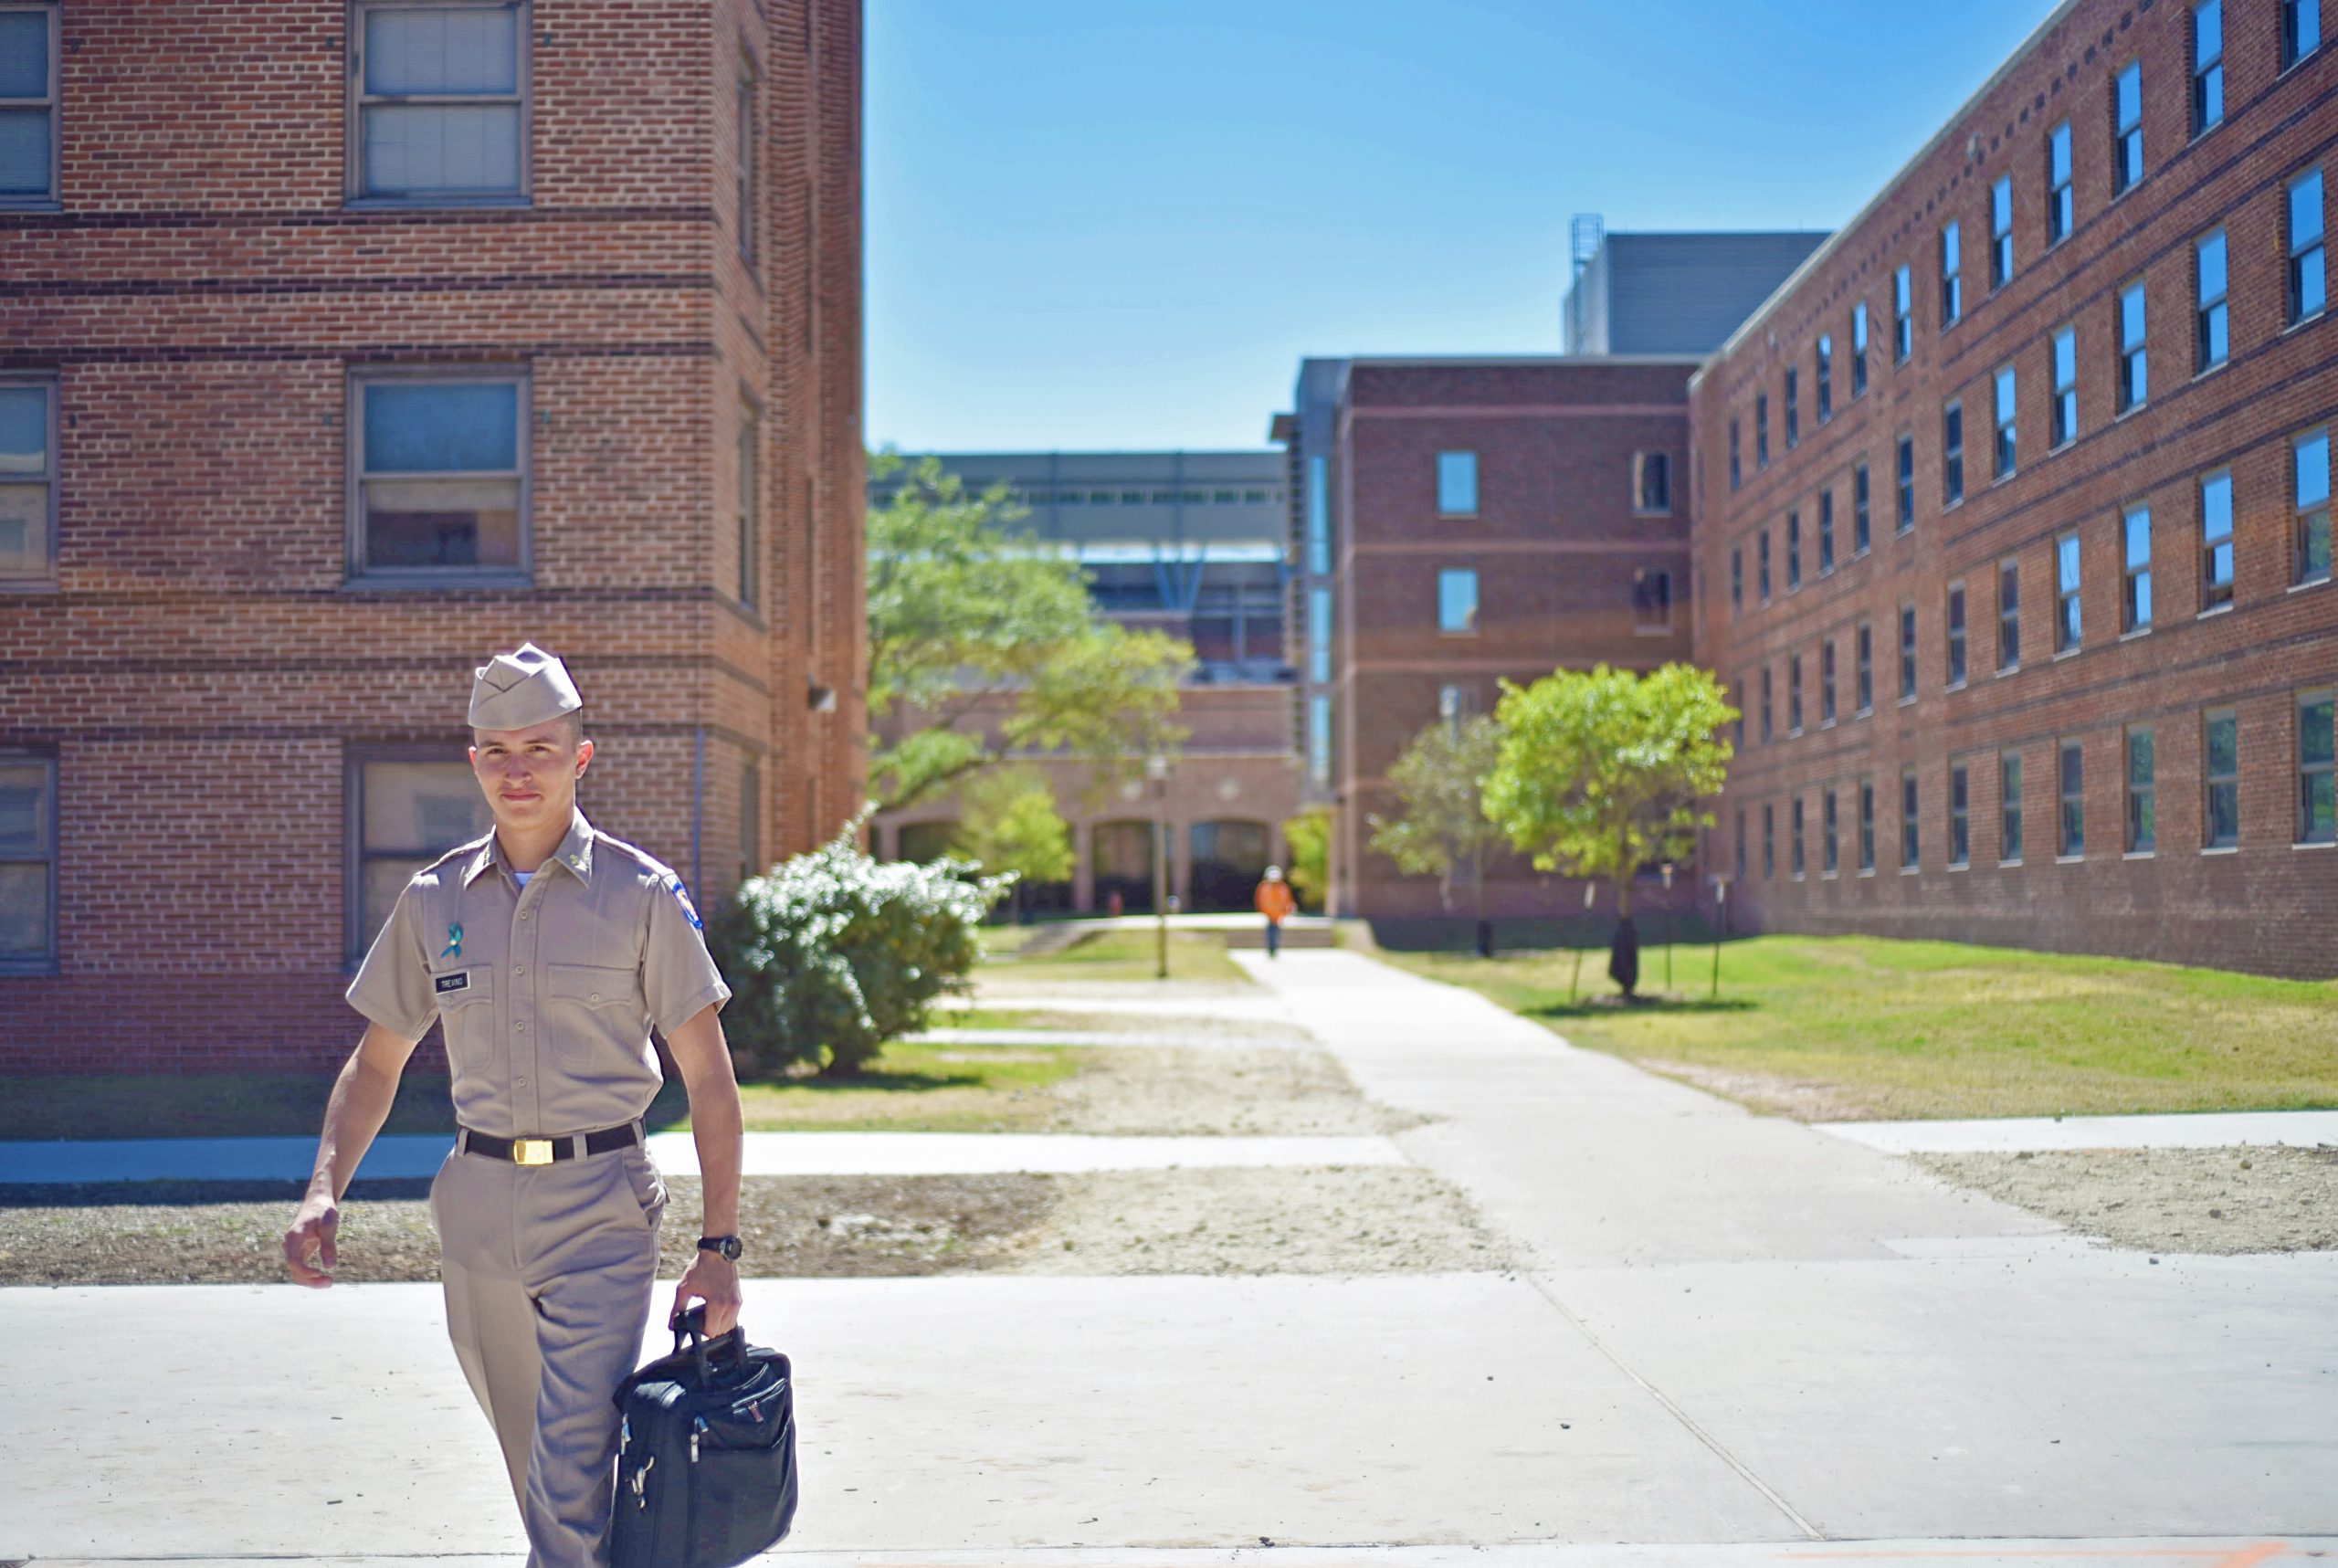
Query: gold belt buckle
[[532, 1150]]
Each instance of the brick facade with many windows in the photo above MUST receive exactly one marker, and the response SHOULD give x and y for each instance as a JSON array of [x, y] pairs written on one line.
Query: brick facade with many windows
[[332, 364], [2090, 501]]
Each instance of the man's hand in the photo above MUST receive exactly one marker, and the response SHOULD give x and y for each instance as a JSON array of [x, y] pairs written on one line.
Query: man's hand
[[713, 1280], [308, 1254]]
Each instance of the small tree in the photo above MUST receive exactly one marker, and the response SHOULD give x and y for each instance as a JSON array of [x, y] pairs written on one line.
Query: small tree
[[1443, 830], [1308, 839], [1010, 824], [1599, 773]]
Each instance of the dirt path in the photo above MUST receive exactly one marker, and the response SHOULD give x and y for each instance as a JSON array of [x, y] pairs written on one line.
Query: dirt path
[[2168, 1200]]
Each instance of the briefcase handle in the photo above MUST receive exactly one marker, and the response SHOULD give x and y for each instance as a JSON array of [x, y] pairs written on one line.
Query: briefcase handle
[[733, 1345]]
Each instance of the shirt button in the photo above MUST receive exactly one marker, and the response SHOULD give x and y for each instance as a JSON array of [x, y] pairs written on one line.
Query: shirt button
[[596, 996], [519, 969], [523, 914], [521, 1081], [521, 1027]]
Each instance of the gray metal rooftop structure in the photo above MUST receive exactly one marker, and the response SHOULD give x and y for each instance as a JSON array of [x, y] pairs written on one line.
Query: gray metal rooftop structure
[[1673, 293]]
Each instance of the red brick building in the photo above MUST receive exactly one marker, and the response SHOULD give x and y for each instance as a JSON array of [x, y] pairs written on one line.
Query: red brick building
[[341, 343], [2012, 516]]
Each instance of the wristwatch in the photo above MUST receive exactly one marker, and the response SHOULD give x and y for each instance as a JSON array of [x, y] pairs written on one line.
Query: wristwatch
[[728, 1246]]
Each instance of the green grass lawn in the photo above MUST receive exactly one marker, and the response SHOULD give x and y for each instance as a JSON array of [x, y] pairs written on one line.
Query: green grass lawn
[[1887, 1029], [1121, 954]]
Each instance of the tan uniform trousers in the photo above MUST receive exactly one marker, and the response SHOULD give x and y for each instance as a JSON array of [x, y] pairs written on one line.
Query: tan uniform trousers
[[548, 1272]]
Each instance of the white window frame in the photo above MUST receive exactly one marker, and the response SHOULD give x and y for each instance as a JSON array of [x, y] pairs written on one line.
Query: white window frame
[[2210, 314], [2297, 249], [2207, 75], [1951, 274], [2000, 232], [2061, 207], [2135, 388], [2123, 128], [2069, 623], [353, 192], [357, 573], [2135, 607], [2062, 361]]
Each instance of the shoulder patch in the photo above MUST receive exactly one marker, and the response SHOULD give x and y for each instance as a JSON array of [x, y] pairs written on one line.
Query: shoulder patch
[[674, 886]]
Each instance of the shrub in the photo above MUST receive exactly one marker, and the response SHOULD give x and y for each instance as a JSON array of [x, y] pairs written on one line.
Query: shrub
[[833, 954]]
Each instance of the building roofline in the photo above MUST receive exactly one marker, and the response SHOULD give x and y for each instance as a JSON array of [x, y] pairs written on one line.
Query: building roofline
[[1100, 452], [1466, 360], [1819, 257]]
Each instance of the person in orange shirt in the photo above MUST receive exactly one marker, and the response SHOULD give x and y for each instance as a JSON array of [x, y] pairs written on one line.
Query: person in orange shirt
[[1275, 902]]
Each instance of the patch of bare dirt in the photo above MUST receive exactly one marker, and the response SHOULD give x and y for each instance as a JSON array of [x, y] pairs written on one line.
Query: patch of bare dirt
[[1770, 1094], [2220, 1201], [1222, 1090]]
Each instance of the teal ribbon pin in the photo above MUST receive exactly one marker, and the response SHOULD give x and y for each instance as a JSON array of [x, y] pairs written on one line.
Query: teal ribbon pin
[[454, 942]]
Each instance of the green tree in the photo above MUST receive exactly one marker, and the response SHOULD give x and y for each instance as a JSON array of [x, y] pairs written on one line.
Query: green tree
[[984, 636], [1442, 830], [1308, 838], [1009, 823], [1598, 774]]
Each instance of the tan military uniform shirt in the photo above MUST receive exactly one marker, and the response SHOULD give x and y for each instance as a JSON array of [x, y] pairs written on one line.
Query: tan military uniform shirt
[[547, 992]]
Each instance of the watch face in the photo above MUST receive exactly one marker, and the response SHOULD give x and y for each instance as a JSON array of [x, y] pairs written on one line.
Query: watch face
[[728, 1246]]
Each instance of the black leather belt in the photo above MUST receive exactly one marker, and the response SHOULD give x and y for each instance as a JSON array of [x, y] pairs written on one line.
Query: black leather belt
[[545, 1151]]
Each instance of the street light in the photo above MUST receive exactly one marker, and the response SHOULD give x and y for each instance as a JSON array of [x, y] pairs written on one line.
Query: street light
[[1668, 928], [1721, 926], [1156, 768]]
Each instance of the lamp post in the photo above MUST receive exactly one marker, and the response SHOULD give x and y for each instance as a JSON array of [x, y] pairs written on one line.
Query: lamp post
[[1721, 926], [1156, 768], [1668, 928]]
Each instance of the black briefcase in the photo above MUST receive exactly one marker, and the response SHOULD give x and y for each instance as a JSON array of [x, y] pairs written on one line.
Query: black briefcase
[[706, 1453]]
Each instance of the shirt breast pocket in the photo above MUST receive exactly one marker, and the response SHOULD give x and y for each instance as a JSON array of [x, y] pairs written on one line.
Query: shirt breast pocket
[[462, 998], [610, 997]]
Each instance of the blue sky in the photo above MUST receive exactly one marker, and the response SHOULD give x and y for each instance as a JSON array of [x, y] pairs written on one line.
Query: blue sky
[[1107, 225]]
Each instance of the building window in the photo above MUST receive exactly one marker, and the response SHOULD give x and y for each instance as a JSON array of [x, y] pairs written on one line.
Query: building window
[[1319, 636], [1739, 844], [28, 861], [2317, 782], [1652, 602], [1457, 484], [2220, 771], [2310, 487], [1769, 840], [750, 503], [1952, 453], [1794, 694], [440, 110], [441, 464], [1826, 681], [1738, 724], [1319, 739], [27, 479], [1793, 411], [2009, 616], [2070, 825], [1737, 578], [1959, 816], [28, 97], [1903, 330], [2301, 30], [1952, 286], [1867, 825], [1733, 475], [1908, 843], [1767, 731], [2135, 366], [1822, 390], [1860, 531], [2009, 807], [1454, 705], [1457, 602], [2127, 128], [1907, 653], [1761, 431], [1826, 531], [1318, 517], [2066, 386], [2308, 288], [2216, 541], [2208, 64], [1795, 812], [1829, 830], [1863, 673], [406, 811], [2208, 337], [2057, 183], [749, 205], [1761, 565], [1906, 469], [2135, 607], [2142, 822], [1793, 551], [2066, 593], [2001, 232], [1955, 636], [1858, 348], [751, 819], [1652, 482], [2001, 452]]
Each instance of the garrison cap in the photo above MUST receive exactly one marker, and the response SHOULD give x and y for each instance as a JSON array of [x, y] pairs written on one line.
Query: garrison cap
[[513, 690]]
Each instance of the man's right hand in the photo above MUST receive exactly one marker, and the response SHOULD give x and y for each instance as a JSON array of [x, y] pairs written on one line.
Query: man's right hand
[[308, 1254]]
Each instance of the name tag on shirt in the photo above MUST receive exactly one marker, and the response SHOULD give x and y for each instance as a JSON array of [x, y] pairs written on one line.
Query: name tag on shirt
[[446, 982]]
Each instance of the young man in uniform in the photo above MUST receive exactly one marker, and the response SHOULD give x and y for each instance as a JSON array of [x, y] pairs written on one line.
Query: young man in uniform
[[547, 949]]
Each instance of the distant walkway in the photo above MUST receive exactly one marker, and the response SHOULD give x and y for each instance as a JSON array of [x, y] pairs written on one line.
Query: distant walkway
[[2041, 1134], [408, 1157]]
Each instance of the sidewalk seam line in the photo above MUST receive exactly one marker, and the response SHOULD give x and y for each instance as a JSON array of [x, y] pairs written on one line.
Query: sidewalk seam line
[[1682, 1416]]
